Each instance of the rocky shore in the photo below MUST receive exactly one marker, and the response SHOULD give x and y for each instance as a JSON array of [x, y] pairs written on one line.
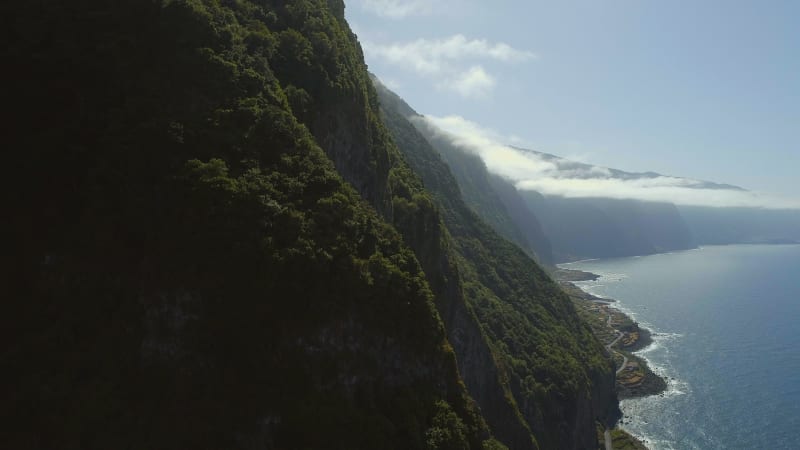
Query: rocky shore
[[622, 337], [643, 384], [573, 275]]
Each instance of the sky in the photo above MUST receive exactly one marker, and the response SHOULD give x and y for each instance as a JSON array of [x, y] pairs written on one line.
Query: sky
[[706, 90]]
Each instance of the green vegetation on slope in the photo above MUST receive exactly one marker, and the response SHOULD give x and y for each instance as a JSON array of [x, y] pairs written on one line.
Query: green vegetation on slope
[[475, 184], [554, 372], [195, 272], [621, 440]]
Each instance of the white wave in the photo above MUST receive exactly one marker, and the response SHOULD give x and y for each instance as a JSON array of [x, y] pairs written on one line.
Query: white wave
[[561, 265], [656, 444], [593, 290], [611, 276]]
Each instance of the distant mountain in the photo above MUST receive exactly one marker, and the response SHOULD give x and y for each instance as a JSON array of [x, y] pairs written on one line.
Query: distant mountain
[[742, 225], [589, 171], [602, 227], [560, 229], [573, 210], [581, 228]]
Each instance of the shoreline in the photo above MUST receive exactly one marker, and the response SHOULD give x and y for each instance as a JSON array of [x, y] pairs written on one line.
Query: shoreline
[[622, 337]]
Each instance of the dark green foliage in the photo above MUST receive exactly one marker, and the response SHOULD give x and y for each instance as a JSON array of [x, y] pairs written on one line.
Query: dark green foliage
[[550, 365], [191, 271], [448, 431], [494, 199], [621, 440]]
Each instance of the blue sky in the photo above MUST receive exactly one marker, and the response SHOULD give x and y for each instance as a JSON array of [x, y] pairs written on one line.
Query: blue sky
[[701, 89]]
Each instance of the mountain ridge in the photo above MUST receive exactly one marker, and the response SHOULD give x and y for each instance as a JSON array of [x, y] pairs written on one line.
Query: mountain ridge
[[625, 175]]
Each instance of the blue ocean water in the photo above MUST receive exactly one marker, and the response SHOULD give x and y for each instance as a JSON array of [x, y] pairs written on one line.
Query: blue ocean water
[[726, 324]]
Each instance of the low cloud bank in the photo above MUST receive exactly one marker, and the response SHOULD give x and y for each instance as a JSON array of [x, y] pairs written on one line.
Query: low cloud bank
[[554, 176]]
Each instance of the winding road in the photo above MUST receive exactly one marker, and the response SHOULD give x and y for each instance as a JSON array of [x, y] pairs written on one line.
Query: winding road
[[608, 347], [607, 434], [624, 358]]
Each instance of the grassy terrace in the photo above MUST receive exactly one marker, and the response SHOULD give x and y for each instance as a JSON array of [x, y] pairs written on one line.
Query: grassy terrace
[[624, 441]]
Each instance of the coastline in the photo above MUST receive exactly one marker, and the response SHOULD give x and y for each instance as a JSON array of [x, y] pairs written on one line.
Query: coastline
[[622, 337], [723, 321]]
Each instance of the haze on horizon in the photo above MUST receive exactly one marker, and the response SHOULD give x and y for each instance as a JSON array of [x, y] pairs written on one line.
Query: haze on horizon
[[702, 91]]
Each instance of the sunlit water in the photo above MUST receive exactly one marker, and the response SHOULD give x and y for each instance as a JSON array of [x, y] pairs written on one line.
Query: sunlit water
[[726, 325]]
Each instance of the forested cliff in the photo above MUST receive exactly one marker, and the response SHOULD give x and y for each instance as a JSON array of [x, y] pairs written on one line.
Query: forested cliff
[[542, 351], [217, 244]]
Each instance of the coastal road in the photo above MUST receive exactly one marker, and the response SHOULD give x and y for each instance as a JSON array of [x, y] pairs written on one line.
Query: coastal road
[[619, 336], [624, 363], [624, 358], [607, 434]]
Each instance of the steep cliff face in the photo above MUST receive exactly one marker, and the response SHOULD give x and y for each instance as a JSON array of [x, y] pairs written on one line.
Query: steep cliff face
[[712, 226], [341, 127], [494, 199], [543, 367], [330, 93], [192, 271], [601, 228], [475, 184], [524, 218], [477, 363], [220, 246]]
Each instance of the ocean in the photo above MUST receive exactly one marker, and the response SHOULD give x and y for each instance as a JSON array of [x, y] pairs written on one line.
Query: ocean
[[726, 335]]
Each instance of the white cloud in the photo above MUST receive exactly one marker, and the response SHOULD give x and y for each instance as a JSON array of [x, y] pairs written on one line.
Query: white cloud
[[474, 83], [451, 61], [661, 189], [560, 177], [432, 57], [392, 84], [397, 9]]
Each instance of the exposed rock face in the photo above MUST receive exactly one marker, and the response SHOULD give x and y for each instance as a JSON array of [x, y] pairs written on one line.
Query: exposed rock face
[[347, 134], [478, 367], [165, 322]]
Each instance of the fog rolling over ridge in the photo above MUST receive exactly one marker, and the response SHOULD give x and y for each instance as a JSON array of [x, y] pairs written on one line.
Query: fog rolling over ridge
[[553, 175], [494, 198], [587, 211]]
